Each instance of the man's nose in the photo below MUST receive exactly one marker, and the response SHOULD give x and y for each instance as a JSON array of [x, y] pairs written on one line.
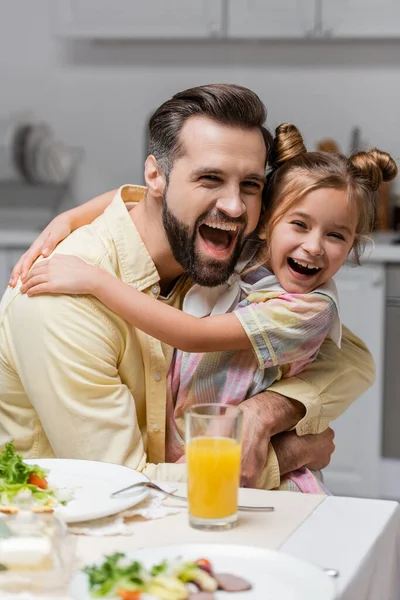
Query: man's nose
[[231, 205]]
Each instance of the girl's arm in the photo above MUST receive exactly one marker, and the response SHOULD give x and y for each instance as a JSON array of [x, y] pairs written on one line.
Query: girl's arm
[[69, 274], [89, 211], [286, 329], [57, 230]]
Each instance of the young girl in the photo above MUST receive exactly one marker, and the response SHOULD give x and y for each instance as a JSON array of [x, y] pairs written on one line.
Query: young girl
[[269, 322]]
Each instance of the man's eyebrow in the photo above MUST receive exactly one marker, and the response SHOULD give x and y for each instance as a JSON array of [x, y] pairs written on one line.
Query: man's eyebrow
[[258, 176], [206, 171], [210, 171]]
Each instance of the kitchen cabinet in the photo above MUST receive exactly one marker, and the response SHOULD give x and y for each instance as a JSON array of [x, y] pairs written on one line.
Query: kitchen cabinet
[[124, 19], [318, 19], [356, 464], [227, 19], [270, 19], [360, 18]]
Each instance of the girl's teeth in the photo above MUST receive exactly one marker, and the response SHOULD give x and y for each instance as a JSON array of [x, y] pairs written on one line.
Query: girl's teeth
[[304, 264]]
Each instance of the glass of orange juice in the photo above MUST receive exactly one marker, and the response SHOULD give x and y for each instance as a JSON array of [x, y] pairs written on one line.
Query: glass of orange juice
[[213, 450]]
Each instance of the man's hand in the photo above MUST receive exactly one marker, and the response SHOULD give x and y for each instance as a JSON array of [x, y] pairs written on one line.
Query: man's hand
[[256, 438], [320, 448], [264, 415], [312, 451]]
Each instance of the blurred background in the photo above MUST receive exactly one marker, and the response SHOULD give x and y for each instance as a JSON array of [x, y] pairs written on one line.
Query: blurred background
[[79, 79]]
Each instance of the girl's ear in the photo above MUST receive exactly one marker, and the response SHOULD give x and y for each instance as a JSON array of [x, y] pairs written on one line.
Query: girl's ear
[[154, 177], [262, 234], [262, 229]]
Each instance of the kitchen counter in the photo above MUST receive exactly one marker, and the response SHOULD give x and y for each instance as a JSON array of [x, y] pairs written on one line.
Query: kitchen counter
[[382, 249], [17, 238]]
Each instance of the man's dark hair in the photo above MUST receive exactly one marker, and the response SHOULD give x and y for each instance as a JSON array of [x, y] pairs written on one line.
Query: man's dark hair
[[225, 103]]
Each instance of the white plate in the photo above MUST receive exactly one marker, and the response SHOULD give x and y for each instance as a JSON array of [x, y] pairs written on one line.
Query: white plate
[[274, 576], [92, 483]]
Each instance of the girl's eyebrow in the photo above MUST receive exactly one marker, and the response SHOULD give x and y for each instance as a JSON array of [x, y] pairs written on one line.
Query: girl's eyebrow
[[303, 215], [298, 213], [343, 227]]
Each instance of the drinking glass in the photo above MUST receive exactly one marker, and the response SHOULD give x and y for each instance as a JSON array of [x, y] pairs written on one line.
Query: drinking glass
[[213, 451]]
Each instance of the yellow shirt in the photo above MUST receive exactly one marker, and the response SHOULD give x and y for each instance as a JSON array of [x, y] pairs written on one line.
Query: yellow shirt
[[77, 381]]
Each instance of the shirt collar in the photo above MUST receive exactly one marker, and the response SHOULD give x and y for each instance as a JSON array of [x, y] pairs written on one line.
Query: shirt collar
[[136, 265]]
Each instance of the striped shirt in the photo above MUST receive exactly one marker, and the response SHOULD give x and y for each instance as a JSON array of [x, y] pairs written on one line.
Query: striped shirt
[[286, 332]]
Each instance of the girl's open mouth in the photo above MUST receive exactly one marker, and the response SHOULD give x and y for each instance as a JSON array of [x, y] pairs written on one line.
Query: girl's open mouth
[[302, 268]]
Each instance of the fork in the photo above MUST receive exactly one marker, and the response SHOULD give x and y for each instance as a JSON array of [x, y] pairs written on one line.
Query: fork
[[153, 486]]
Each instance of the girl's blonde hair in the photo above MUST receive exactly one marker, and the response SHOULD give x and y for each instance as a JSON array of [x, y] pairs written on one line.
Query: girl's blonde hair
[[296, 172]]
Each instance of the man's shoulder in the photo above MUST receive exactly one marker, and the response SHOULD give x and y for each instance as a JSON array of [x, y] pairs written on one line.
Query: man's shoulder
[[87, 243], [91, 243]]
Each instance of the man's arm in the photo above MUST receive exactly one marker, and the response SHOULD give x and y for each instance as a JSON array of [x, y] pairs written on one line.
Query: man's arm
[[265, 416], [330, 384], [308, 403], [66, 351], [312, 451]]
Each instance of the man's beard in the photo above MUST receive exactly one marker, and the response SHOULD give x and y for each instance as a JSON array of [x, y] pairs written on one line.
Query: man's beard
[[203, 271]]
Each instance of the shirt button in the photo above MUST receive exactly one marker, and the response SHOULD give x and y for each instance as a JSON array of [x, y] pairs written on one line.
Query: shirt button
[[135, 285], [306, 427], [155, 290], [157, 376], [155, 427]]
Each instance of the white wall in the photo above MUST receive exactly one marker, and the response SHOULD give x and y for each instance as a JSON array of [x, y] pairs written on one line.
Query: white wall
[[98, 96]]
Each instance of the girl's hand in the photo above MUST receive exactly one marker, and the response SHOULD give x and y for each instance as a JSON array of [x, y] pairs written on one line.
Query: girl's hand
[[61, 274], [55, 232]]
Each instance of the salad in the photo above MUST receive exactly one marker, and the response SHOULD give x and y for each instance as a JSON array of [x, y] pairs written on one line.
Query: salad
[[20, 482], [126, 579]]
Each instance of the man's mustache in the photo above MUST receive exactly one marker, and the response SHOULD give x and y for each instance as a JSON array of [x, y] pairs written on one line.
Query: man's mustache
[[221, 218]]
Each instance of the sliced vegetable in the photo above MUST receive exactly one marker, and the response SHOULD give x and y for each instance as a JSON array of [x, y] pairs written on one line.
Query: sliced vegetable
[[191, 572], [20, 482], [165, 587], [40, 482], [204, 564], [14, 470], [118, 576], [116, 573], [129, 594]]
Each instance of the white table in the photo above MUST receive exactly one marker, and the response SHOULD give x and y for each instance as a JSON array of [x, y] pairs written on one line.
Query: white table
[[360, 538]]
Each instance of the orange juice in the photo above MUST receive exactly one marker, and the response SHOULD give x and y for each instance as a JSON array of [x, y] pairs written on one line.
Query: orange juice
[[213, 476]]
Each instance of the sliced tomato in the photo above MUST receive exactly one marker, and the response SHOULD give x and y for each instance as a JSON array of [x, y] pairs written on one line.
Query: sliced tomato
[[129, 594], [40, 482], [204, 564]]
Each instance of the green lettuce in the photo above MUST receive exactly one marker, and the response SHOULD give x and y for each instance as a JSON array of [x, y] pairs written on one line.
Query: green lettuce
[[14, 477], [13, 469]]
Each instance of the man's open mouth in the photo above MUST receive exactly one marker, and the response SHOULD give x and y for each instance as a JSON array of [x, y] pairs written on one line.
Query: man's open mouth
[[219, 237], [302, 268]]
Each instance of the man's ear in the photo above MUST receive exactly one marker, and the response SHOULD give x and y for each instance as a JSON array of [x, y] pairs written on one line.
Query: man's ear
[[154, 177]]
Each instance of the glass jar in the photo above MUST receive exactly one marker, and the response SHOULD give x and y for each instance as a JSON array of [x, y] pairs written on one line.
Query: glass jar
[[36, 552]]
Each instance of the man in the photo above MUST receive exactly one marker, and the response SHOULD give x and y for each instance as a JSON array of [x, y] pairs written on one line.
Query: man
[[76, 381]]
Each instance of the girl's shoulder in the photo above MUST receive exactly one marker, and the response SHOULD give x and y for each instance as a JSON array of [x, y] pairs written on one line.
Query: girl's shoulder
[[253, 276]]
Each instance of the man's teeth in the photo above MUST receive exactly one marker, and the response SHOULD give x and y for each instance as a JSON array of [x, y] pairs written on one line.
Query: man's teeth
[[223, 226]]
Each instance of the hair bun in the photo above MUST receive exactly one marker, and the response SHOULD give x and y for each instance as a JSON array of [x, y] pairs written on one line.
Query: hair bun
[[376, 166], [288, 143]]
